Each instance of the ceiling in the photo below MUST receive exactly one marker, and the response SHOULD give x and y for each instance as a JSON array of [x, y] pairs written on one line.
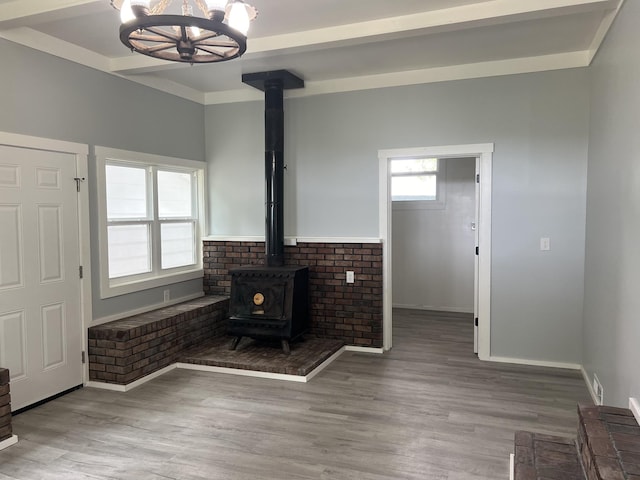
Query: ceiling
[[335, 45]]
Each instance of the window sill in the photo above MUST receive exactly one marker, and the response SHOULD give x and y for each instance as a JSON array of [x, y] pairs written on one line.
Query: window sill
[[109, 291]]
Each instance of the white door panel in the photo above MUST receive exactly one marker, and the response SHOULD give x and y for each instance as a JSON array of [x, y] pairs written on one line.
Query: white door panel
[[40, 320]]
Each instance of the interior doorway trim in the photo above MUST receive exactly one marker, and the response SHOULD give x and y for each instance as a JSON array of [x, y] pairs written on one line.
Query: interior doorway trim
[[484, 153]]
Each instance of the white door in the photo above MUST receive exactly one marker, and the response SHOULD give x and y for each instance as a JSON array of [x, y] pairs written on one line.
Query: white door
[[40, 315]]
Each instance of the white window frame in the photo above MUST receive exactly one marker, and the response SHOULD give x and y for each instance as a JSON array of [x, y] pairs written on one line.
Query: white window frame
[[157, 277], [436, 204]]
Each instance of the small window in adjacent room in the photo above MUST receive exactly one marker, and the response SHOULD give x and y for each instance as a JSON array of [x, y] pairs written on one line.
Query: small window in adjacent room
[[417, 183], [150, 210]]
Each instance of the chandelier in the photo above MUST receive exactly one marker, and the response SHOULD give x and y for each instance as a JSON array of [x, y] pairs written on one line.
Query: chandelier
[[172, 32]]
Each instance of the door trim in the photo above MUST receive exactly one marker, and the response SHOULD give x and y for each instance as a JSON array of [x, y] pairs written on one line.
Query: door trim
[[81, 153], [484, 153]]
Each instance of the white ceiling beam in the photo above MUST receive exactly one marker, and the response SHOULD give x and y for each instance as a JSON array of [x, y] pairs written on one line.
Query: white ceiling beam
[[18, 12], [603, 29], [54, 46], [59, 48], [493, 12], [494, 68]]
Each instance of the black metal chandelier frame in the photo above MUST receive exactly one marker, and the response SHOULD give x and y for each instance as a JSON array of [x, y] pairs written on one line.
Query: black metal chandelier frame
[[182, 38]]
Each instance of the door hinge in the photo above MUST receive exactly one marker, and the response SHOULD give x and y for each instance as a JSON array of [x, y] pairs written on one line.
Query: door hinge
[[81, 271], [78, 180], [85, 361], [477, 178], [476, 321], [477, 250]]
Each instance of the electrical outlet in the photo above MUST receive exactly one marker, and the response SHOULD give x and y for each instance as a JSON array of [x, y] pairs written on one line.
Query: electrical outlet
[[351, 278], [598, 390], [167, 295], [545, 244]]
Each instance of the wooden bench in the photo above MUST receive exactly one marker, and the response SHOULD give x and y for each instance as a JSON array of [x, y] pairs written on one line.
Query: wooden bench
[[125, 350]]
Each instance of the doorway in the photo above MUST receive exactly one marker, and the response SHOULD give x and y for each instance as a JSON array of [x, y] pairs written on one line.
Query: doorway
[[482, 273], [42, 289]]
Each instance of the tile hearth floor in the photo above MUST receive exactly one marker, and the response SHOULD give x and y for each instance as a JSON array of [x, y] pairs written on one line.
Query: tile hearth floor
[[262, 356]]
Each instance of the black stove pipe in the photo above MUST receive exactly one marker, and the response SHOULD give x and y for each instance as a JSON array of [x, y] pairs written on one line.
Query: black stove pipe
[[274, 172], [273, 83]]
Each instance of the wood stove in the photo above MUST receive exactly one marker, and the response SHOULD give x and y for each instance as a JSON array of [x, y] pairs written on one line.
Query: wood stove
[[271, 301]]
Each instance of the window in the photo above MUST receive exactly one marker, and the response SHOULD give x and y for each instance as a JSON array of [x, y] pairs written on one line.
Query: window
[[150, 216], [416, 183]]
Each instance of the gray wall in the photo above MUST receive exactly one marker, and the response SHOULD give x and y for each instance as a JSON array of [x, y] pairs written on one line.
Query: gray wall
[[539, 124], [433, 248], [45, 96], [612, 302]]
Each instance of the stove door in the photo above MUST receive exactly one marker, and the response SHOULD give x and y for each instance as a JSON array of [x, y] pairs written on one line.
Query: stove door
[[258, 297]]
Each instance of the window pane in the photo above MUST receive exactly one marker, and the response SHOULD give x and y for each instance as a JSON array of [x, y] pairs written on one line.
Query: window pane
[[174, 194], [411, 165], [178, 245], [126, 192], [128, 250], [414, 187]]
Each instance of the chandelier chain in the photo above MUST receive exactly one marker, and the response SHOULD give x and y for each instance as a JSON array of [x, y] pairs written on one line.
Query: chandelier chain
[[202, 6], [160, 7]]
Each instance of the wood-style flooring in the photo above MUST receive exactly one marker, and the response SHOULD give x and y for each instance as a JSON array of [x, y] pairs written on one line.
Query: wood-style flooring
[[426, 410]]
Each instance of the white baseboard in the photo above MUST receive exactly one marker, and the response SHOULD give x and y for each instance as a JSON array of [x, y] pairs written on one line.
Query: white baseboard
[[634, 406], [433, 309], [130, 386], [145, 309], [206, 368], [535, 363], [325, 364], [258, 374], [233, 371], [512, 471], [243, 373], [8, 442], [592, 392], [355, 348]]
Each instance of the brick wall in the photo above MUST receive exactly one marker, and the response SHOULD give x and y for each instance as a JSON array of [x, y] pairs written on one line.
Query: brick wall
[[5, 405], [125, 350], [350, 312]]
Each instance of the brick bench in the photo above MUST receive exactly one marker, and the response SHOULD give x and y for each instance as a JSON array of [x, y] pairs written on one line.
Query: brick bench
[[123, 351], [609, 443], [5, 406], [608, 448]]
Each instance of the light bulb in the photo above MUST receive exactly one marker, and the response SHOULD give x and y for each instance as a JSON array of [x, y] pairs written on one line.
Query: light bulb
[[126, 14], [216, 9], [216, 4], [187, 11], [239, 17], [140, 7]]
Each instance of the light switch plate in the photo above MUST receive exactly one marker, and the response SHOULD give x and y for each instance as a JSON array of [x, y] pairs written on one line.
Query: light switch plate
[[350, 277]]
